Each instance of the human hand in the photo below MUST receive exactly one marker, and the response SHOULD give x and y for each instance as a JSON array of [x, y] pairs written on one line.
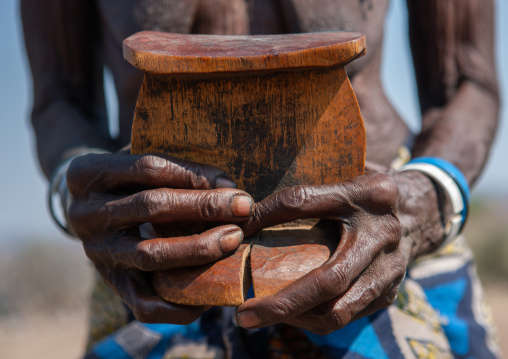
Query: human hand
[[116, 193], [383, 221]]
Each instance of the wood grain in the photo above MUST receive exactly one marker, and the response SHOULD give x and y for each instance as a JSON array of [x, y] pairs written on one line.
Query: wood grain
[[266, 131], [280, 257], [272, 112], [223, 283], [163, 53]]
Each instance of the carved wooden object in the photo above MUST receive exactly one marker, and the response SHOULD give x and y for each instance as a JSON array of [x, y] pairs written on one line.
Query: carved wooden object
[[272, 111], [222, 283], [282, 256]]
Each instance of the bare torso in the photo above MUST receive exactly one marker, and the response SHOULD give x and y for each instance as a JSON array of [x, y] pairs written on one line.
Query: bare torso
[[121, 18], [384, 220]]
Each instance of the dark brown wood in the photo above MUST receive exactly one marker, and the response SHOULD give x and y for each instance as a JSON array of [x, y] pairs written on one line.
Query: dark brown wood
[[272, 111]]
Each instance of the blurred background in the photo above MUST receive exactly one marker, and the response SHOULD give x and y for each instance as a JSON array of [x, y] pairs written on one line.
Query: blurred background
[[45, 277]]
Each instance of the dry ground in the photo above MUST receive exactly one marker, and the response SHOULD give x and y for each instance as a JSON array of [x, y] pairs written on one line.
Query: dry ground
[[43, 336]]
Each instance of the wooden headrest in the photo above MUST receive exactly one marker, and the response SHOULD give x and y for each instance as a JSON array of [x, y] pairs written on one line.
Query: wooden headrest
[[164, 53]]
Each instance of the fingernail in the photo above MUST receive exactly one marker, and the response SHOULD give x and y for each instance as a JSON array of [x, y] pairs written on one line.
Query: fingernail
[[248, 319], [229, 242], [241, 206], [223, 182]]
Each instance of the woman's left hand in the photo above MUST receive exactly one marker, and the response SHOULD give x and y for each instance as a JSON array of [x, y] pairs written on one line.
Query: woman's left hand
[[385, 220]]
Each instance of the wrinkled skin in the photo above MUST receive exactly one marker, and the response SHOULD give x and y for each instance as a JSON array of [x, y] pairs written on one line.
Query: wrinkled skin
[[363, 275], [383, 219], [115, 194]]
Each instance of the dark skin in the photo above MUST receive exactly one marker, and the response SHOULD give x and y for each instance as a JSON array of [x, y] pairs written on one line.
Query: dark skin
[[384, 219]]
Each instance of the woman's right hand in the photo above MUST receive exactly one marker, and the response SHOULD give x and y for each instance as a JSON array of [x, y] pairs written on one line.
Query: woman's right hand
[[113, 194]]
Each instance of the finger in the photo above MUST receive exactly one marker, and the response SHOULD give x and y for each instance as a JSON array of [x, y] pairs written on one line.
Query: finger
[[374, 290], [167, 253], [354, 253], [297, 202], [127, 172], [376, 193], [178, 205], [134, 288]]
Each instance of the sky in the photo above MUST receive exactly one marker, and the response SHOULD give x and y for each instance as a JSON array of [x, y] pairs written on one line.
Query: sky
[[23, 212]]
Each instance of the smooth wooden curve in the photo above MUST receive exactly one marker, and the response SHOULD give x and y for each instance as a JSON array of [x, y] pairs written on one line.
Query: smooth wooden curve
[[162, 53], [223, 283]]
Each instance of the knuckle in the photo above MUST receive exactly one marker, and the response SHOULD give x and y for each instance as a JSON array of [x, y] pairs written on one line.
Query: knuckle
[[257, 220], [335, 280], [371, 294], [338, 322], [144, 257], [144, 312], [203, 250], [382, 194], [294, 198], [198, 178], [344, 315], [390, 234], [82, 218], [75, 212], [78, 174], [146, 203], [386, 190], [150, 165], [282, 307], [209, 205], [201, 176], [74, 176], [394, 227]]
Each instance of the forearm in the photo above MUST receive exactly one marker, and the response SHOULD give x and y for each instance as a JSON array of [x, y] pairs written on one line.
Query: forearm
[[452, 43], [63, 130], [461, 132], [64, 51]]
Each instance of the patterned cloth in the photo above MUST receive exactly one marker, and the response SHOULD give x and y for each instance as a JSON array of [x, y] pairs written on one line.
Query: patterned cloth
[[440, 312]]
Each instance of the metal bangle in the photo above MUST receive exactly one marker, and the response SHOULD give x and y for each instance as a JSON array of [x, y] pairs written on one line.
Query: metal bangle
[[58, 187]]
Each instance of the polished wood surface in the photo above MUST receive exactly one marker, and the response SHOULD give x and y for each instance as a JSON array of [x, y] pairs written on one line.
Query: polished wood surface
[[223, 283], [271, 113], [162, 53], [280, 257]]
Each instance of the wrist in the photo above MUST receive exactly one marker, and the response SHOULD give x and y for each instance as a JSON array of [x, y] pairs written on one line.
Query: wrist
[[59, 199], [452, 192], [423, 212]]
